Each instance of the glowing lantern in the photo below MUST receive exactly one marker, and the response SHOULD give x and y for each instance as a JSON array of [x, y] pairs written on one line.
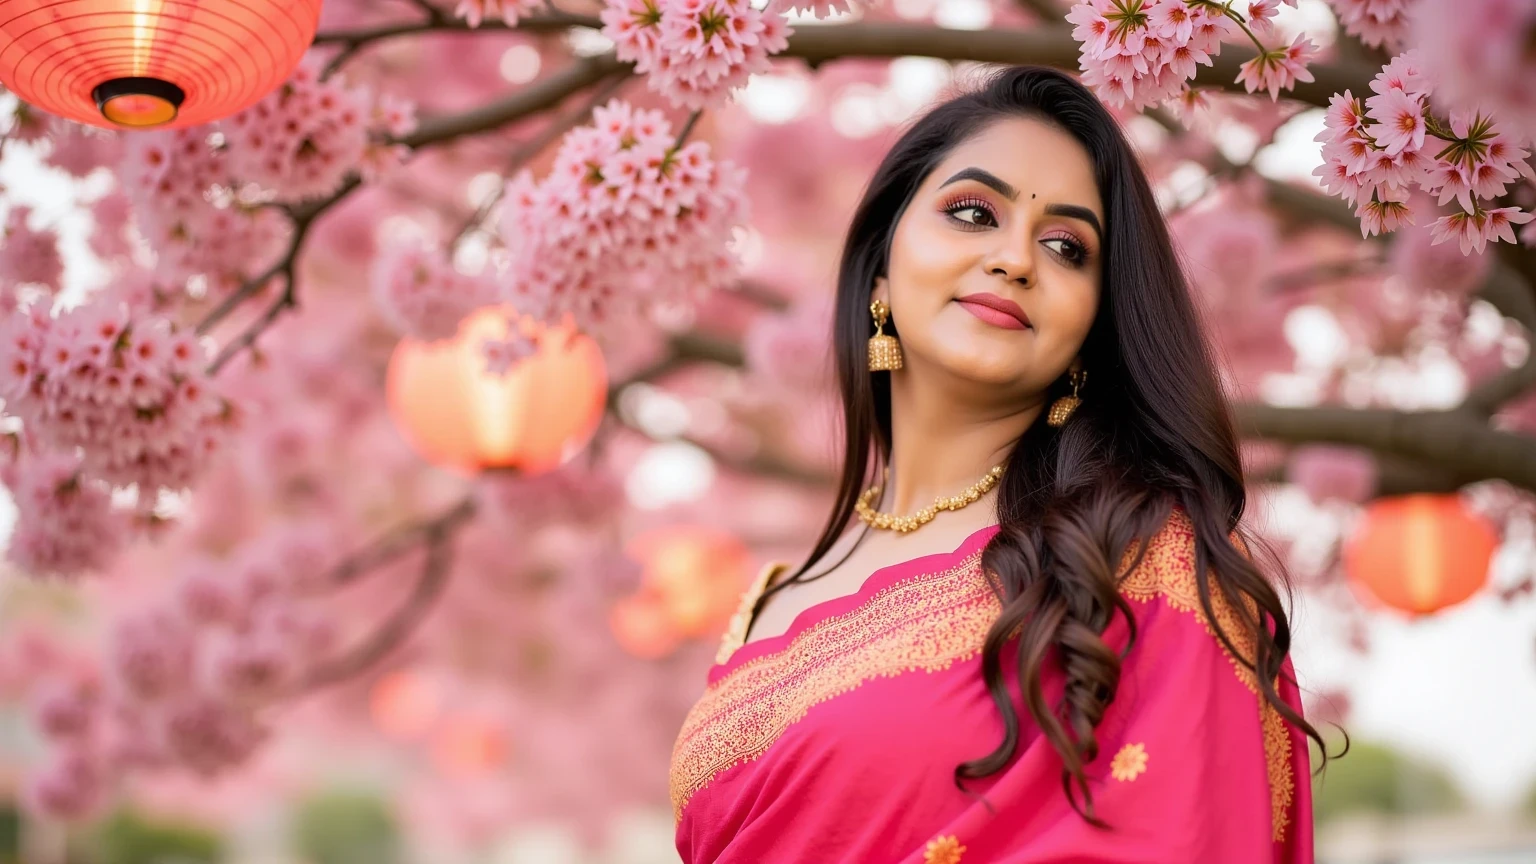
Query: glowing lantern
[[643, 627], [1420, 553], [695, 574], [462, 417], [141, 63]]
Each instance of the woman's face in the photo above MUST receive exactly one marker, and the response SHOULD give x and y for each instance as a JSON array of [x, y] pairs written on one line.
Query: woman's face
[[1013, 213]]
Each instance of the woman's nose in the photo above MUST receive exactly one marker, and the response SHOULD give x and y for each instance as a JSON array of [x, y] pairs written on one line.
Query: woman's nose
[[1013, 260]]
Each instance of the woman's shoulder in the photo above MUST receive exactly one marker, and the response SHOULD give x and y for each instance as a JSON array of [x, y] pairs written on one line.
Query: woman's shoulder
[[1168, 563], [1164, 577]]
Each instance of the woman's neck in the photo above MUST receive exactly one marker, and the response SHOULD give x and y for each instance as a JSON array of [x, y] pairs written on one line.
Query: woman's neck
[[942, 442]]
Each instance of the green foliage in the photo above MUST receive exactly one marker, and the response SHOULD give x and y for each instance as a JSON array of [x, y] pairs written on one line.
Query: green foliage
[[1379, 779], [130, 838], [343, 827], [10, 833]]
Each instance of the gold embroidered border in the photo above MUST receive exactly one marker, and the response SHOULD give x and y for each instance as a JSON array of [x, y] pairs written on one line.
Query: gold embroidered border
[[927, 622], [736, 630], [1168, 571]]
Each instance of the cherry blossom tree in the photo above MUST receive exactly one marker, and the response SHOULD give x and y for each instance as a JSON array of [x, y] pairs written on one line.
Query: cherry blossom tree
[[257, 565]]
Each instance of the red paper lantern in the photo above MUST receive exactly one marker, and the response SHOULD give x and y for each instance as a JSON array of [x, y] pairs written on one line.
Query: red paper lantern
[[464, 418], [142, 63], [1420, 553]]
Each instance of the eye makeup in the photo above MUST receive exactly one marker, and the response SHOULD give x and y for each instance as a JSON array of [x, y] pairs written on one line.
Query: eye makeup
[[1066, 246], [961, 203]]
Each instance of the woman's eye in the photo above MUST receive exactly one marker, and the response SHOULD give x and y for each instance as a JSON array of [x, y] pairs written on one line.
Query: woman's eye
[[972, 214], [1066, 249]]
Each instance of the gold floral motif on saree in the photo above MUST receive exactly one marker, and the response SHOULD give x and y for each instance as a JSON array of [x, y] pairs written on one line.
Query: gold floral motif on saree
[[943, 850], [925, 622], [1129, 763]]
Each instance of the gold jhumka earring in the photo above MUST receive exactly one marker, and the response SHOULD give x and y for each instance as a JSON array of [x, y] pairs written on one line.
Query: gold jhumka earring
[[884, 350], [1062, 408]]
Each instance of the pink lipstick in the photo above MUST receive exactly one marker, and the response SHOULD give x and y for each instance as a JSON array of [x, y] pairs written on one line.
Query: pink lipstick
[[995, 310]]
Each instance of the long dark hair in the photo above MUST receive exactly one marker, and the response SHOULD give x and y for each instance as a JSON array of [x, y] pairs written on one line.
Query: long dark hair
[[1154, 431]]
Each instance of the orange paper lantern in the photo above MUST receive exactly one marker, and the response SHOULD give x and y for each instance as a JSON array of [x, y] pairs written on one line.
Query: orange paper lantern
[[464, 418], [141, 63], [1420, 553], [643, 627], [695, 573]]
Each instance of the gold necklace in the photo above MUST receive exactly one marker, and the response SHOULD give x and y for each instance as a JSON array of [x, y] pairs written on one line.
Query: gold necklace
[[876, 519]]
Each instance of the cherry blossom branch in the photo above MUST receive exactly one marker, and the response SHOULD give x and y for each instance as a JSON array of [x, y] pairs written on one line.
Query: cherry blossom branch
[[400, 541], [302, 216], [542, 94], [252, 286], [1457, 441], [682, 135], [433, 12], [526, 151], [437, 537], [1046, 10], [434, 577], [1049, 46], [247, 338], [1510, 287], [1394, 476], [1506, 290], [354, 41], [543, 23]]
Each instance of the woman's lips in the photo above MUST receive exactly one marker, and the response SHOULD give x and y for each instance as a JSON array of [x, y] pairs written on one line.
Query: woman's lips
[[987, 308]]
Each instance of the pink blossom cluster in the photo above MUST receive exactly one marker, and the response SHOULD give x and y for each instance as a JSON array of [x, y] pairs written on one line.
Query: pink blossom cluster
[[68, 709], [694, 52], [188, 680], [28, 256], [1378, 23], [1138, 53], [303, 139], [790, 351], [177, 182], [65, 525], [1478, 53], [420, 294], [626, 224], [1328, 472], [130, 392], [1376, 152], [78, 149], [508, 11], [111, 235], [822, 8]]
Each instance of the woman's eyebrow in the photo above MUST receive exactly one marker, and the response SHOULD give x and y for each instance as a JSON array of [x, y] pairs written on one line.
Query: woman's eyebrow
[[985, 177], [1074, 211]]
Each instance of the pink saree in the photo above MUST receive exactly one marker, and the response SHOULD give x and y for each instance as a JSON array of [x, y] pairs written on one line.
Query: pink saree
[[836, 741]]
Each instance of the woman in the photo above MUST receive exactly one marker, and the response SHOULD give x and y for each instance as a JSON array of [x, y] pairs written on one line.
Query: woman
[[1014, 342]]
